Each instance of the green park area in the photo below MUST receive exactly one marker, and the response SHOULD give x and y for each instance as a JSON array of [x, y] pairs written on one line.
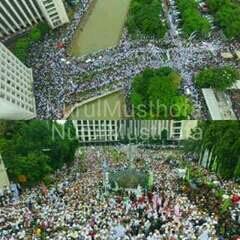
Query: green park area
[[111, 106]]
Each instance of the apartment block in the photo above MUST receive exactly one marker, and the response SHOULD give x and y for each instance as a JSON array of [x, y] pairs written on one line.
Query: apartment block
[[17, 100], [18, 15]]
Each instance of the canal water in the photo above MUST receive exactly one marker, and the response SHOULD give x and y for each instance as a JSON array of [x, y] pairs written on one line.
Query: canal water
[[101, 28], [110, 106]]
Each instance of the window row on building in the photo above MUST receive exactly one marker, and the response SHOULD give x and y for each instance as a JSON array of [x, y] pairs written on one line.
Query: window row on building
[[114, 130], [18, 15], [16, 87]]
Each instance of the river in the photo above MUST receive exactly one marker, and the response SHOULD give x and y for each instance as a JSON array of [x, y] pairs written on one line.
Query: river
[[101, 28]]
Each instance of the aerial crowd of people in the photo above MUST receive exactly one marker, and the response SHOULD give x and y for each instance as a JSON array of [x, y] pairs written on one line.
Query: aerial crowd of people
[[61, 79], [77, 206], [235, 98]]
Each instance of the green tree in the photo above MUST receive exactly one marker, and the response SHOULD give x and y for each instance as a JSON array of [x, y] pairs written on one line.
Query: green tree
[[21, 141], [33, 166], [155, 94], [24, 42], [217, 78], [21, 48], [227, 15], [35, 34], [221, 139], [144, 18], [192, 20]]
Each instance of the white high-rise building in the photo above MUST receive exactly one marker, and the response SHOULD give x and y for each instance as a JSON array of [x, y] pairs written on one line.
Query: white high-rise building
[[17, 100], [18, 15]]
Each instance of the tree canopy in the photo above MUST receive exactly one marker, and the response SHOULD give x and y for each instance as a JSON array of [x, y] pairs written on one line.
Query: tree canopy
[[24, 42], [155, 94], [34, 149], [227, 15], [217, 78], [144, 18], [192, 20], [221, 138]]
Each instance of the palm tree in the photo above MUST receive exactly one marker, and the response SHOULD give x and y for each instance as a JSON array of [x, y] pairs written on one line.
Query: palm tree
[[221, 140]]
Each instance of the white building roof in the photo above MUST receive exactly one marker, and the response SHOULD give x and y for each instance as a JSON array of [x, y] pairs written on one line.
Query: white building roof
[[219, 106]]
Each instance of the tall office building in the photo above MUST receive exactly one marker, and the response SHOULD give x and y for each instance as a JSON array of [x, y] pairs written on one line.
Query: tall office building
[[17, 100], [18, 15], [115, 130]]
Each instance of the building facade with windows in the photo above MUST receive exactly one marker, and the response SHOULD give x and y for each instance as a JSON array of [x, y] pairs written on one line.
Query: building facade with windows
[[156, 129], [17, 100], [18, 15], [89, 131], [116, 130]]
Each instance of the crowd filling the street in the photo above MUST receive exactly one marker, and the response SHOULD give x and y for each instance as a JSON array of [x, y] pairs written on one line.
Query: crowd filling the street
[[82, 205], [116, 142], [61, 80]]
